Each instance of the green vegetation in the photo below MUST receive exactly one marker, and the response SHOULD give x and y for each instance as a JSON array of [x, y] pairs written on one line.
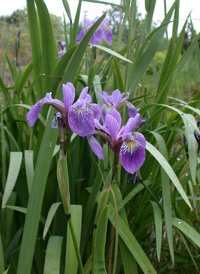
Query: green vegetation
[[115, 222]]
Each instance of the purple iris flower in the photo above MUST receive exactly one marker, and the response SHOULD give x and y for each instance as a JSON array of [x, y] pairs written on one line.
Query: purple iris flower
[[111, 102], [123, 141], [102, 32], [79, 116], [62, 47]]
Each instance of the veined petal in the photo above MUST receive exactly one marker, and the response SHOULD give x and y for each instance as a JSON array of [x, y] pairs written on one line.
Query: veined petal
[[81, 121], [68, 95], [107, 35], [113, 126], [131, 123], [132, 153], [97, 37], [33, 113], [96, 147]]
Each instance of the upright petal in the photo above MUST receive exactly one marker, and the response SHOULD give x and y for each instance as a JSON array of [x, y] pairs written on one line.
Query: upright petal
[[130, 125], [132, 153], [81, 121], [85, 96], [104, 95], [33, 113], [107, 35], [68, 95], [96, 147]]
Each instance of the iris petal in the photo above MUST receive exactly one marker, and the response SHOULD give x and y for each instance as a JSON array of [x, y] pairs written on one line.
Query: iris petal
[[68, 95], [81, 121], [33, 113], [132, 153], [113, 126], [96, 147]]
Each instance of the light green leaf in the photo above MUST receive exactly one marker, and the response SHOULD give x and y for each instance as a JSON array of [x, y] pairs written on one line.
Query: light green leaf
[[158, 224], [28, 157], [115, 54], [71, 263], [188, 230], [51, 214], [53, 255], [13, 172], [100, 241]]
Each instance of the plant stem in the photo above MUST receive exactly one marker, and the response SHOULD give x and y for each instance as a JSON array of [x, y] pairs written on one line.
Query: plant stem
[[76, 246]]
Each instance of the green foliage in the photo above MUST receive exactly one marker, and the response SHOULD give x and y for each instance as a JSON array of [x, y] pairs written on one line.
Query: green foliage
[[72, 213]]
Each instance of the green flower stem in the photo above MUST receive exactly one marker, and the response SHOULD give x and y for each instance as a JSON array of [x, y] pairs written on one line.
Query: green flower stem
[[75, 245]]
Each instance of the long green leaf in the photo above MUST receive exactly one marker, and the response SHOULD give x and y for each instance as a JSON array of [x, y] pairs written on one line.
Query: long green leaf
[[13, 172], [71, 263], [51, 214], [53, 255], [168, 169], [131, 243], [99, 250], [158, 226], [28, 157], [35, 44]]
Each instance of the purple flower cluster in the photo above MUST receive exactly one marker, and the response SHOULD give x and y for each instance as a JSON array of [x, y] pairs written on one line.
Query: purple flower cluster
[[84, 119], [102, 32]]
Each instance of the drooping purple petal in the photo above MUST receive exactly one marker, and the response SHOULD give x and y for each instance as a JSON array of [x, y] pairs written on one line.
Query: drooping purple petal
[[68, 95], [130, 125], [113, 126], [107, 35], [96, 147], [81, 121], [33, 113], [132, 153], [97, 37], [132, 111]]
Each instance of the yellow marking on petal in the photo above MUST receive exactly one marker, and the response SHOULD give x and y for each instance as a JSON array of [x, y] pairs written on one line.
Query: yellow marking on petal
[[130, 144]]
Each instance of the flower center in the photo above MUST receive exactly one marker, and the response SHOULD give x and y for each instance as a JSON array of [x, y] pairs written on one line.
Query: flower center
[[130, 145]]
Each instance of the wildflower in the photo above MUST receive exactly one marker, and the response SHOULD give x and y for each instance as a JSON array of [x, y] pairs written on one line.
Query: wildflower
[[132, 111], [111, 102], [63, 48], [79, 116], [102, 32], [128, 145]]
